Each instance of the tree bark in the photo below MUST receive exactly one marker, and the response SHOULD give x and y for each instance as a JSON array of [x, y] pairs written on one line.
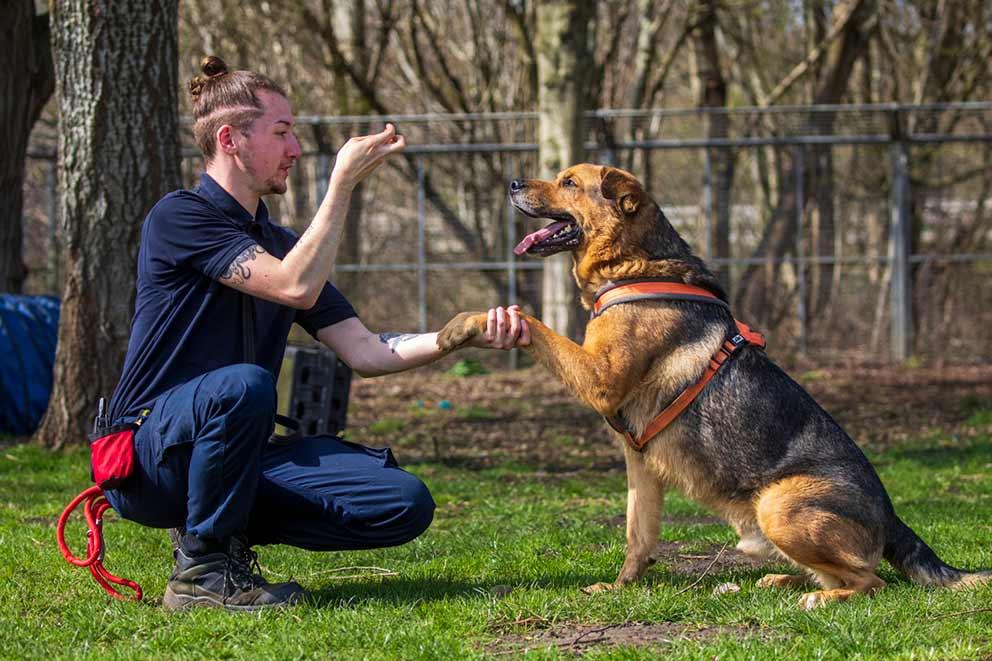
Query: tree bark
[[857, 19], [117, 82], [713, 94], [565, 31], [27, 80]]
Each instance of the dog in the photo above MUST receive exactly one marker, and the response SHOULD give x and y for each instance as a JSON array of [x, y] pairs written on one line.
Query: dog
[[752, 446]]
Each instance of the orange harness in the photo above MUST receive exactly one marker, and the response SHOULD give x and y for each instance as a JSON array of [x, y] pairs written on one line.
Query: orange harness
[[640, 290]]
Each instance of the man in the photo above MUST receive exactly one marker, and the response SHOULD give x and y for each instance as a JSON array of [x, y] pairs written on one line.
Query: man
[[218, 288]]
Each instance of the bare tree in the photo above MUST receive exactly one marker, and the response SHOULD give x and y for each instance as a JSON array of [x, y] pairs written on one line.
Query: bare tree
[[713, 95], [566, 29], [116, 73], [27, 80]]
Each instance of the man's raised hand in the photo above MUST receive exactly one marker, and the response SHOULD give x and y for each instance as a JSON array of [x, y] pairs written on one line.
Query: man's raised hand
[[361, 155]]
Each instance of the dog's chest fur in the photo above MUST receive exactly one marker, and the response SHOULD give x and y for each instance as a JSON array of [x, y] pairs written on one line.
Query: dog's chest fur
[[670, 455]]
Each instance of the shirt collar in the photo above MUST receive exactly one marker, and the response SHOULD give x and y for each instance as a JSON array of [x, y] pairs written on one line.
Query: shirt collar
[[231, 207]]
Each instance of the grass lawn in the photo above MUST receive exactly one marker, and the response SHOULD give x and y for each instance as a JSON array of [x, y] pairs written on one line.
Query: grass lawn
[[499, 572]]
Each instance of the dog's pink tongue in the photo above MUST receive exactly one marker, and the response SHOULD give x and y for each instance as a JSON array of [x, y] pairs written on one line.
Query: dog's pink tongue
[[534, 237]]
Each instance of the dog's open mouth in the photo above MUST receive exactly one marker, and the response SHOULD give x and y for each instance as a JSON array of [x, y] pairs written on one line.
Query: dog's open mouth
[[560, 235]]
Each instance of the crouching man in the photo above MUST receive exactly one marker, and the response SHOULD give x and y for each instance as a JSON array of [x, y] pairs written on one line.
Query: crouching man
[[218, 288]]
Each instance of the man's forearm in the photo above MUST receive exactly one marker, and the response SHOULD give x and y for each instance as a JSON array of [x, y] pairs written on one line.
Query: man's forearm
[[307, 267], [395, 352]]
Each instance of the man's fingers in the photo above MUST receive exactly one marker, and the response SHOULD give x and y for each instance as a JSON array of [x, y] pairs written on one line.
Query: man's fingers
[[524, 338], [515, 322], [500, 327], [490, 325]]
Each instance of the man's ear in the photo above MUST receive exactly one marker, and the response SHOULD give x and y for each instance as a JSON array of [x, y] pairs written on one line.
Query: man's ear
[[225, 139], [617, 185]]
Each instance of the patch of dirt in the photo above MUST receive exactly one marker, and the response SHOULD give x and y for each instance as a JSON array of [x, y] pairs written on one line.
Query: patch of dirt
[[578, 638], [677, 558], [527, 417]]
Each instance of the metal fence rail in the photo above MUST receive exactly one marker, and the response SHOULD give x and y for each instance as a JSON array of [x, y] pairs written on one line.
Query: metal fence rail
[[618, 134]]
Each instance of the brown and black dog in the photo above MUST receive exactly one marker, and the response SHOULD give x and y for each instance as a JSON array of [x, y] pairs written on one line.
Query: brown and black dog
[[753, 446]]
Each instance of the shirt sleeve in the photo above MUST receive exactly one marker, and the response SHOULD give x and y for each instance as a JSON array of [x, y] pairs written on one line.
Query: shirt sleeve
[[330, 308], [184, 229]]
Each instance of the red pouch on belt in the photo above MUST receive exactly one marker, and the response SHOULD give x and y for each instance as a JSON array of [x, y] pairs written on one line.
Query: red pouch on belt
[[112, 453]]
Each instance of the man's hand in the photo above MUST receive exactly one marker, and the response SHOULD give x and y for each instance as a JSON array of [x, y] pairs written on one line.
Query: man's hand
[[361, 155], [505, 329], [500, 328]]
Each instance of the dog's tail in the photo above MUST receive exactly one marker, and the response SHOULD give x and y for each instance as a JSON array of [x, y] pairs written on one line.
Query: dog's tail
[[909, 554]]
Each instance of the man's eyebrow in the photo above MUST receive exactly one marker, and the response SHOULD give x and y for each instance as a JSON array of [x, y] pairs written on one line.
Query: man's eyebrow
[[284, 121]]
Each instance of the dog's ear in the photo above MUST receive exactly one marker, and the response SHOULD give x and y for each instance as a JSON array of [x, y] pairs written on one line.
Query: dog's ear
[[618, 185]]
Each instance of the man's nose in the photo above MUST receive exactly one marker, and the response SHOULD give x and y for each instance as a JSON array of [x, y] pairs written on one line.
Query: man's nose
[[517, 184], [295, 150]]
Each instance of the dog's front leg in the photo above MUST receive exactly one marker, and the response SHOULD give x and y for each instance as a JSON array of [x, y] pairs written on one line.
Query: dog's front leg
[[599, 372], [645, 499]]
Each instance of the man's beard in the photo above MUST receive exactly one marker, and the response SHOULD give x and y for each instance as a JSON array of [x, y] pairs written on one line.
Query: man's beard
[[275, 187]]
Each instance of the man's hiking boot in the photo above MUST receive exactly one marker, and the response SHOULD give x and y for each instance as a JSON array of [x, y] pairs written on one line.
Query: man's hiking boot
[[226, 580]]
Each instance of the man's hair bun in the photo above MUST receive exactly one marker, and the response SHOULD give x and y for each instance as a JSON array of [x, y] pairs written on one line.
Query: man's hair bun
[[212, 67]]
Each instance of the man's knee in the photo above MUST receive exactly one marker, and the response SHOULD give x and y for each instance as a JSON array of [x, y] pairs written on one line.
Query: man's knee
[[417, 508], [246, 389]]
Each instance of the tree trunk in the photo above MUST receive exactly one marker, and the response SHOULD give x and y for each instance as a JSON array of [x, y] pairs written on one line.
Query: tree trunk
[[713, 94], [27, 80], [564, 55], [117, 82], [857, 18]]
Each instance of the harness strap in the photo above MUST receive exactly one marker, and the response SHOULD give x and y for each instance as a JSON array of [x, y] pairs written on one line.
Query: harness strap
[[648, 290], [94, 505], [640, 290]]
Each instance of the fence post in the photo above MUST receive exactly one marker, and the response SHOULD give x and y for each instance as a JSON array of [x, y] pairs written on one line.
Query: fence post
[[708, 212], [901, 295], [800, 192], [511, 259], [421, 247]]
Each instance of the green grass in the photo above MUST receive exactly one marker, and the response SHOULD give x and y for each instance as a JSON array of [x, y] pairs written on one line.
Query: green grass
[[507, 546]]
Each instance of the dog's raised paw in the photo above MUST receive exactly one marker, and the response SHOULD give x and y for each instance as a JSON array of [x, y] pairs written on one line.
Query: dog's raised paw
[[462, 328], [598, 587]]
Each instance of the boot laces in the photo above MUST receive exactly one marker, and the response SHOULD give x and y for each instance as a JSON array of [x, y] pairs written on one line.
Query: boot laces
[[243, 568]]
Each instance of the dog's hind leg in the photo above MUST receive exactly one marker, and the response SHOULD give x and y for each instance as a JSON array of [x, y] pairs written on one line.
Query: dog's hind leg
[[800, 516], [645, 498]]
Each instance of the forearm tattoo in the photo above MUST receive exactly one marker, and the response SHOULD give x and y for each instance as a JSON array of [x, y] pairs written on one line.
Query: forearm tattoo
[[238, 271], [393, 340]]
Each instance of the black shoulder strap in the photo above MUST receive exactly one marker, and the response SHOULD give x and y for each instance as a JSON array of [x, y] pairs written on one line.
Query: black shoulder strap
[[248, 328], [248, 342]]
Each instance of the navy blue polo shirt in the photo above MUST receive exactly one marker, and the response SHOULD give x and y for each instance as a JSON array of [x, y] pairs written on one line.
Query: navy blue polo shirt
[[187, 323]]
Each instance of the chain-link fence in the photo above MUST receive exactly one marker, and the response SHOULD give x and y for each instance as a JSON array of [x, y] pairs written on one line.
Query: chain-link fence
[[848, 232]]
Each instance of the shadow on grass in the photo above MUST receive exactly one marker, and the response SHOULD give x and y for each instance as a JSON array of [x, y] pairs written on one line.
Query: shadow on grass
[[409, 590], [934, 455]]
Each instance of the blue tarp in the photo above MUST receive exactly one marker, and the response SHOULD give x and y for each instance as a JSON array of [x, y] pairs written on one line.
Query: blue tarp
[[28, 330]]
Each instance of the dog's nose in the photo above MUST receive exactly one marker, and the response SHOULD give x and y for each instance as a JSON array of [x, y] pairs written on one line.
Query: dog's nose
[[516, 185]]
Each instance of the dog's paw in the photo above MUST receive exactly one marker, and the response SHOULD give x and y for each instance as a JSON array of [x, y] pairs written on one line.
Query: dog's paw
[[598, 587], [781, 581], [812, 600], [462, 328]]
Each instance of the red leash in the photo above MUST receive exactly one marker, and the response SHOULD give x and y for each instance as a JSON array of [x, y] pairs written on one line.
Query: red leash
[[94, 505]]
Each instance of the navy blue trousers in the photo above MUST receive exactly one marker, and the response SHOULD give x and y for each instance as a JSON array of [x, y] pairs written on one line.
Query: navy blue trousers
[[205, 464]]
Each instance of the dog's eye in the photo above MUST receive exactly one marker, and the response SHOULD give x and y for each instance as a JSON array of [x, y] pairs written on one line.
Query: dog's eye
[[568, 183]]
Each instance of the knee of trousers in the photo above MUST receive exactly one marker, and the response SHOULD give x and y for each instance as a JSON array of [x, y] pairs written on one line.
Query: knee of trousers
[[417, 509], [245, 390]]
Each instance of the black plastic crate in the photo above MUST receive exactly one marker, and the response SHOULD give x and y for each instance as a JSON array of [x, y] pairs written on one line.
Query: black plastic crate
[[313, 388]]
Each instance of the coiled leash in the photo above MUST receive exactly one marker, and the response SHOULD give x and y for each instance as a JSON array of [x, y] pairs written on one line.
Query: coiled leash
[[94, 505], [112, 462]]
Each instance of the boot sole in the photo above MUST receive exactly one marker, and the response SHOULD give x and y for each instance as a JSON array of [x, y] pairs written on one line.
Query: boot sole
[[178, 602]]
